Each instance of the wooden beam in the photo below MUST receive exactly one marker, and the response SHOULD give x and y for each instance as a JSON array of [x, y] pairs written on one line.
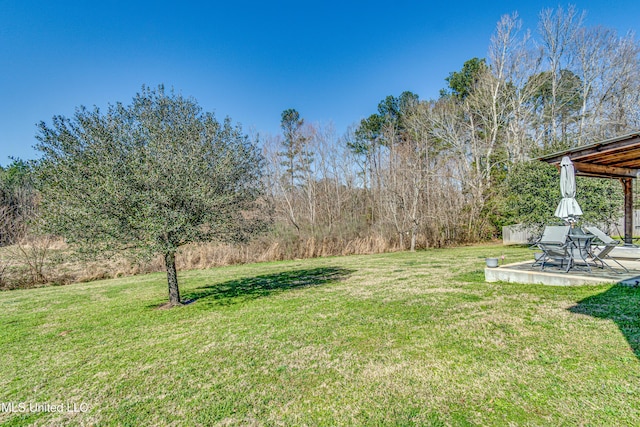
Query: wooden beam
[[613, 158], [605, 171], [604, 148]]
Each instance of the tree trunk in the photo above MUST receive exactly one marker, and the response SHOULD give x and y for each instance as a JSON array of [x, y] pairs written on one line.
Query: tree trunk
[[172, 278], [414, 236]]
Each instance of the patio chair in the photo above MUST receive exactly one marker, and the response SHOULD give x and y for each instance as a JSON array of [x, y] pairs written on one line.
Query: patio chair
[[601, 252], [555, 247]]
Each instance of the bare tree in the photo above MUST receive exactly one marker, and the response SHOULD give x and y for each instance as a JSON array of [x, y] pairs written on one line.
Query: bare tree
[[558, 29], [512, 61], [620, 84]]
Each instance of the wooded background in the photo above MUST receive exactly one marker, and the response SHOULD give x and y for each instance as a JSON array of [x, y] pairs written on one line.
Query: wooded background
[[425, 173]]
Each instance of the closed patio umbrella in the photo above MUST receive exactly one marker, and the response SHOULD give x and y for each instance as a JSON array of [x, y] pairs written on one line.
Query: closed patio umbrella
[[568, 209]]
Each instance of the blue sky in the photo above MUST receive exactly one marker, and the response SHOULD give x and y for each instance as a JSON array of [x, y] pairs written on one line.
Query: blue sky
[[333, 61]]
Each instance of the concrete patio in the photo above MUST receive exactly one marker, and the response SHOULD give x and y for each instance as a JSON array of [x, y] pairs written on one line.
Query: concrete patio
[[525, 272]]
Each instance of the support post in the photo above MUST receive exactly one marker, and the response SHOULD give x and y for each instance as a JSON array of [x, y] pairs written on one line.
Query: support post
[[628, 211]]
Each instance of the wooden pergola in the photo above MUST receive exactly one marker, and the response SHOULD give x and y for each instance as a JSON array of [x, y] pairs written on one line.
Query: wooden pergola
[[613, 158]]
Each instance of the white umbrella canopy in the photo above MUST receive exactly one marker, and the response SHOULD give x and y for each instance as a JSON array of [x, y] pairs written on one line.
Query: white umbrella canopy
[[568, 209]]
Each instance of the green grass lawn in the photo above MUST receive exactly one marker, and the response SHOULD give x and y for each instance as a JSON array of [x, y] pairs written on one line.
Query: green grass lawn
[[394, 339]]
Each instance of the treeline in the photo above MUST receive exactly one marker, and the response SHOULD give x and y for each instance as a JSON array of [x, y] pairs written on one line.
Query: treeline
[[424, 173], [419, 173]]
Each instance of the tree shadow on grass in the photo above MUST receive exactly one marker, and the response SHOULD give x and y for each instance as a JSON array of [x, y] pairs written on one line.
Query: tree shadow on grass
[[249, 288], [620, 303]]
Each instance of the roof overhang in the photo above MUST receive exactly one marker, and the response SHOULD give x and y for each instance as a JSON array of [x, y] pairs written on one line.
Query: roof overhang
[[613, 158]]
